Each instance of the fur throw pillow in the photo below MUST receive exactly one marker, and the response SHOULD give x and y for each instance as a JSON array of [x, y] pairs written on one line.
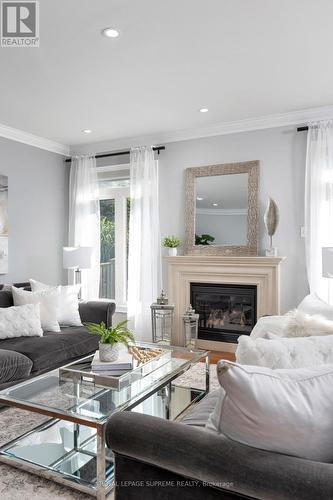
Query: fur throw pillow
[[300, 324]]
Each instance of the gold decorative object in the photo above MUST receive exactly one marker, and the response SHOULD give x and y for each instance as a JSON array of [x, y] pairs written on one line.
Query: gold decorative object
[[144, 355]]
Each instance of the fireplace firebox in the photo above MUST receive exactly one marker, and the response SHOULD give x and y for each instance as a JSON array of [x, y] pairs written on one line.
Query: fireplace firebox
[[225, 311]]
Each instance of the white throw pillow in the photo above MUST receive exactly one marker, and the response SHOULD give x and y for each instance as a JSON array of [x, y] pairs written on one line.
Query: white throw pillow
[[312, 304], [68, 305], [20, 321], [285, 411], [295, 323], [299, 352], [301, 324], [48, 301], [269, 324]]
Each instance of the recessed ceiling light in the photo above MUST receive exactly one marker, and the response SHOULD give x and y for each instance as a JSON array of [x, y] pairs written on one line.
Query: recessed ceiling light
[[110, 32], [203, 110], [215, 204], [199, 198], [86, 131]]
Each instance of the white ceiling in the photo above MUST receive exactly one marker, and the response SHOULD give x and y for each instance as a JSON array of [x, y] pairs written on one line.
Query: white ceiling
[[239, 58]]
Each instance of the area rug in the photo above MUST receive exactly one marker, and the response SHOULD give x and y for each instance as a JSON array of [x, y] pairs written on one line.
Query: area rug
[[17, 485]]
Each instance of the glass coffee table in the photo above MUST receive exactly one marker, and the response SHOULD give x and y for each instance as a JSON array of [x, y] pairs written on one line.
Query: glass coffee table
[[69, 446]]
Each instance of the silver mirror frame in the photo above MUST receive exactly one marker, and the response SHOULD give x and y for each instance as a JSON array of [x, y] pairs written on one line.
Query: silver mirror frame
[[249, 167]]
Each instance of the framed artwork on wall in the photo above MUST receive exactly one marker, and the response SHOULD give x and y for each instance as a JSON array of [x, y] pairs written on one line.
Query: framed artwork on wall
[[3, 224]]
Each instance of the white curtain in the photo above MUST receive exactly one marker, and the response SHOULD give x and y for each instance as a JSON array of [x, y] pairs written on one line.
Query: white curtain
[[84, 220], [144, 266], [319, 204]]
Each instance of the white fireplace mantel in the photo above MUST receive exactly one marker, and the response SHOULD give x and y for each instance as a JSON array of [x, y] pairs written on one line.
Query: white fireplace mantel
[[264, 272]]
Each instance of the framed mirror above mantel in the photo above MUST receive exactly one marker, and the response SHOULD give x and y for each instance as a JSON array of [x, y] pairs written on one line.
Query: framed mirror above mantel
[[221, 214]]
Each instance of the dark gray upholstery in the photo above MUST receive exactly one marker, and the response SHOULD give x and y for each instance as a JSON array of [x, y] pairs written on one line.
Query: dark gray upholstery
[[52, 350], [48, 351], [6, 299], [96, 311], [152, 449], [13, 366]]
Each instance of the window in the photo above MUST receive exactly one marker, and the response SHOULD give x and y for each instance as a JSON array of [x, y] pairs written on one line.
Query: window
[[115, 211]]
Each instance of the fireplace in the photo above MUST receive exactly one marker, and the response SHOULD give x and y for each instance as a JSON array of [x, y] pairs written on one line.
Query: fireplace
[[225, 311]]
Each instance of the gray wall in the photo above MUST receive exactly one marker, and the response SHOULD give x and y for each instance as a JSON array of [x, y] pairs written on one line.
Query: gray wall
[[38, 208], [281, 152]]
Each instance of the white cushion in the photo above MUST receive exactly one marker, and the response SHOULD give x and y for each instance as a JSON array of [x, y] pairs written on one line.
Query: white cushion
[[48, 301], [312, 304], [269, 324], [299, 352], [285, 411], [295, 323], [68, 305], [301, 324], [21, 321]]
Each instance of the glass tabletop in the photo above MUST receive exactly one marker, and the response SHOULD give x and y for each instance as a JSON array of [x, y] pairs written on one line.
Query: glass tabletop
[[88, 402]]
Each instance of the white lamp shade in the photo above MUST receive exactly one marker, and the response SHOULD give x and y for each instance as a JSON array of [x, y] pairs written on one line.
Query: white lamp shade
[[327, 258], [77, 257]]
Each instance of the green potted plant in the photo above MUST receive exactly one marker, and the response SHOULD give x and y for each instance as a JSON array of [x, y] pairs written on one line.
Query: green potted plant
[[171, 243], [204, 239], [111, 338]]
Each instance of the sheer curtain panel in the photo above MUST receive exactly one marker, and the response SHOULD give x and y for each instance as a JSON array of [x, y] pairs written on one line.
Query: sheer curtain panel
[[144, 266], [84, 219], [319, 204]]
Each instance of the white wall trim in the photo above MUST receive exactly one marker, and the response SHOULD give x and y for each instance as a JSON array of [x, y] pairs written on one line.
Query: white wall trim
[[292, 118], [18, 135], [250, 124]]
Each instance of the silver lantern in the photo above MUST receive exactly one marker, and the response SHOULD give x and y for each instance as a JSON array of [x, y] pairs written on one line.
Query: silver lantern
[[190, 328], [162, 319]]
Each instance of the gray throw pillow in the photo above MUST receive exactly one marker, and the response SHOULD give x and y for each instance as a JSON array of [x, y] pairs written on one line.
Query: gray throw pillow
[[13, 366]]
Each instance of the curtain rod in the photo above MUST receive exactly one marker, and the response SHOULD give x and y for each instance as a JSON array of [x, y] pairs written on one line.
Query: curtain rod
[[120, 153], [302, 129]]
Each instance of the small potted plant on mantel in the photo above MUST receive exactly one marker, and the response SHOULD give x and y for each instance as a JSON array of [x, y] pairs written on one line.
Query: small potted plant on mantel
[[111, 338], [171, 243]]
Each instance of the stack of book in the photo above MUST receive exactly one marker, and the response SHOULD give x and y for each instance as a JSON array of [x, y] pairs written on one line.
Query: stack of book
[[118, 367]]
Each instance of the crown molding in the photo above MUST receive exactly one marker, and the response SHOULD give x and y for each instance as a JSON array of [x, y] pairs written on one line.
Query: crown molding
[[18, 135], [292, 118]]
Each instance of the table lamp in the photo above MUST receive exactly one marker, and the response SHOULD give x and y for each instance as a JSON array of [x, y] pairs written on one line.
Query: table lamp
[[77, 258]]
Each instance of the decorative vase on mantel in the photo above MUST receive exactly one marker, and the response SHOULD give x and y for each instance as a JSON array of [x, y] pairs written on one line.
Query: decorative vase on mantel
[[171, 243], [172, 252]]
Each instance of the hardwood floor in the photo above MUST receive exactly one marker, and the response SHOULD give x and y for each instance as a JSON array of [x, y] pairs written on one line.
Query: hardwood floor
[[215, 356]]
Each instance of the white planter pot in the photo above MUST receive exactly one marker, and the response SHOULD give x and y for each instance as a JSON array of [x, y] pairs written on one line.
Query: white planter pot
[[109, 352], [172, 252]]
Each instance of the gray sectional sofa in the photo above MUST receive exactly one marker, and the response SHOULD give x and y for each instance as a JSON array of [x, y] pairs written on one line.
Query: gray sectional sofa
[[25, 357], [157, 459]]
